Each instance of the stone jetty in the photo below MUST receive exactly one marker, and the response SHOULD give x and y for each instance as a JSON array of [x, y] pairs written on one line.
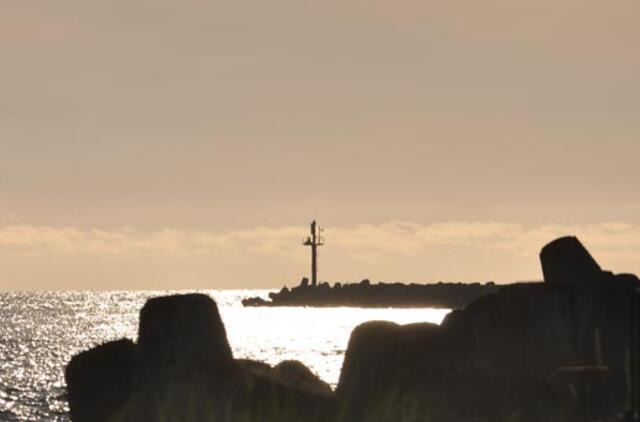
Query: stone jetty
[[377, 295]]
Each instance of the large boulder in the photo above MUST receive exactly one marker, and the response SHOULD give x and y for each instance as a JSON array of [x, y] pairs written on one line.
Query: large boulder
[[567, 261], [498, 358], [527, 327], [405, 373], [99, 381], [371, 361], [296, 375], [537, 327], [181, 333], [486, 396], [288, 392], [290, 373], [387, 370], [184, 368]]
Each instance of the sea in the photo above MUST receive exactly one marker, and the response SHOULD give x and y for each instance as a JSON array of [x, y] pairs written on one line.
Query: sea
[[41, 331]]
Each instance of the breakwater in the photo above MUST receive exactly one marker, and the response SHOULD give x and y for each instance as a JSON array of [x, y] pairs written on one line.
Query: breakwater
[[383, 295], [561, 350]]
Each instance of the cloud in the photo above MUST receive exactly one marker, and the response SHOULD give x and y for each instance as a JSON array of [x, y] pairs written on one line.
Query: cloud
[[607, 240], [390, 238], [41, 240], [386, 239], [263, 256]]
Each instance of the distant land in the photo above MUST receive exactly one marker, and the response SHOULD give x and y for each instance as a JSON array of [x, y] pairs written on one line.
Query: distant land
[[378, 295]]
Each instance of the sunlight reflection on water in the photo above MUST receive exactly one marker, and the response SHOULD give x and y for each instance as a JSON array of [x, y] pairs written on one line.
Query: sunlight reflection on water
[[316, 336], [40, 331]]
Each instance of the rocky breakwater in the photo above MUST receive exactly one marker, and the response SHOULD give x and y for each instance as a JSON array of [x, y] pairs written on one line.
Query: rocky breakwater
[[182, 369], [554, 351], [367, 294], [557, 351]]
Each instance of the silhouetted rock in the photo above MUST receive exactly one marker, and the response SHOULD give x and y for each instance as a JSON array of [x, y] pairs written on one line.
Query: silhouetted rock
[[99, 381], [528, 352], [254, 301], [366, 294], [266, 394], [595, 390], [182, 369], [481, 395], [566, 261], [183, 366], [301, 378], [181, 332], [370, 362], [399, 373], [290, 373], [499, 359], [385, 366]]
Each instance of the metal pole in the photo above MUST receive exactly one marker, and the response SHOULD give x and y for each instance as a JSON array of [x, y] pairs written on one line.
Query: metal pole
[[314, 256]]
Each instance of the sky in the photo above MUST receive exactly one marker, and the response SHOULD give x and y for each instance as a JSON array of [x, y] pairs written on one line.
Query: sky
[[188, 144]]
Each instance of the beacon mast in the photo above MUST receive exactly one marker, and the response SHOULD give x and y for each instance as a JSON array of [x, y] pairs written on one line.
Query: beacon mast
[[314, 241]]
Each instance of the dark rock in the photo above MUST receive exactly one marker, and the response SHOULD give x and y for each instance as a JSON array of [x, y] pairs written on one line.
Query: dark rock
[[181, 331], [301, 378], [498, 358], [255, 301], [184, 367], [400, 373], [519, 353], [627, 281], [480, 395], [266, 395], [567, 261], [594, 390], [372, 344], [290, 373], [369, 370], [385, 363], [366, 294], [99, 381], [254, 365]]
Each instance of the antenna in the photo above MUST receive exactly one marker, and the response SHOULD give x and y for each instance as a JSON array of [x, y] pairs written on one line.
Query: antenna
[[314, 241]]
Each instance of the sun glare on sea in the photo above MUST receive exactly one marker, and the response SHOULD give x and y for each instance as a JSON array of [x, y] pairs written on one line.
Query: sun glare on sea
[[318, 337]]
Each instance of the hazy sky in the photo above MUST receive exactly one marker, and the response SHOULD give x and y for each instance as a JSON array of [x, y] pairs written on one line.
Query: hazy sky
[[180, 144]]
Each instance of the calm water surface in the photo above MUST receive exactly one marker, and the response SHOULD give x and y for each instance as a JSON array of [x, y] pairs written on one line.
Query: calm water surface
[[40, 331]]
